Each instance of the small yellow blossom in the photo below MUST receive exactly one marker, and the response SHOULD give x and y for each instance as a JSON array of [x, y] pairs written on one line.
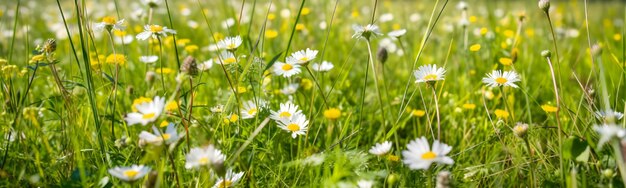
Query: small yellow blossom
[[418, 113], [191, 48], [469, 106], [549, 108], [332, 113], [300, 27], [306, 84], [116, 59], [505, 61], [502, 114], [270, 33], [483, 31], [271, 16], [393, 158], [305, 11], [171, 106], [473, 19], [164, 123], [164, 71], [231, 119], [617, 37], [474, 48], [242, 89]]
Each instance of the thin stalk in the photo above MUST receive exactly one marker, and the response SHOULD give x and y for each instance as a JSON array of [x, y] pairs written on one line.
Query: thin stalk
[[619, 159], [318, 86], [169, 15], [161, 63], [115, 82], [380, 98], [437, 111], [558, 108], [532, 165]]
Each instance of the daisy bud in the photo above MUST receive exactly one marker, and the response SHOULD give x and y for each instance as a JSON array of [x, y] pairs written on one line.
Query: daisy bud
[[382, 54], [150, 76], [544, 5], [546, 53], [190, 66], [443, 179], [514, 53], [49, 46], [153, 176], [130, 90], [392, 179], [596, 50], [608, 173], [520, 130]]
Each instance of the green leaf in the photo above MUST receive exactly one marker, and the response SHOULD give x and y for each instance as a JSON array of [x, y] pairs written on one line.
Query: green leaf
[[575, 148], [271, 62]]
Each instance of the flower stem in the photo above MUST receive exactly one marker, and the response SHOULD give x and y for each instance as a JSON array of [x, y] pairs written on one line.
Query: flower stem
[[380, 99], [437, 111]]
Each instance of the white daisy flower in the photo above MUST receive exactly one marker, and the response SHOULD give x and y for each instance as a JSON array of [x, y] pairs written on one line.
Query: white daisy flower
[[149, 59], [250, 109], [365, 32], [154, 31], [226, 58], [499, 78], [228, 23], [286, 69], [297, 125], [217, 108], [131, 173], [229, 43], [429, 73], [290, 89], [381, 149], [608, 115], [325, 66], [608, 132], [385, 18], [170, 136], [286, 112], [420, 156], [302, 56], [365, 183], [204, 156], [462, 5], [109, 23], [397, 33], [146, 112], [206, 65], [230, 180]]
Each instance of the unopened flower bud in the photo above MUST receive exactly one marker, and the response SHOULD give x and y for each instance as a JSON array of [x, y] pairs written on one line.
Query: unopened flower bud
[[596, 50], [392, 179], [190, 66], [382, 54], [150, 76], [546, 53], [544, 5], [443, 179], [608, 173], [520, 130], [49, 46]]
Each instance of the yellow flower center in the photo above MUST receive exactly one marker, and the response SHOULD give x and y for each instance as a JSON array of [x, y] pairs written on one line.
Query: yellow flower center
[[285, 114], [430, 77], [304, 59], [226, 183], [252, 111], [166, 136], [229, 60], [156, 28], [131, 173], [429, 155], [287, 67], [231, 46], [234, 117], [293, 127], [148, 115], [501, 80], [109, 20], [203, 160]]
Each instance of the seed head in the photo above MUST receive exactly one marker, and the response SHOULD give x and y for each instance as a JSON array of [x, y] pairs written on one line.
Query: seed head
[[546, 53], [544, 5], [382, 54], [49, 46], [443, 179], [190, 66], [520, 130]]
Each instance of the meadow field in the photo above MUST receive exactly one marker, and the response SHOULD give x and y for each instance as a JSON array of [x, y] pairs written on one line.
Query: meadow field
[[312, 93]]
